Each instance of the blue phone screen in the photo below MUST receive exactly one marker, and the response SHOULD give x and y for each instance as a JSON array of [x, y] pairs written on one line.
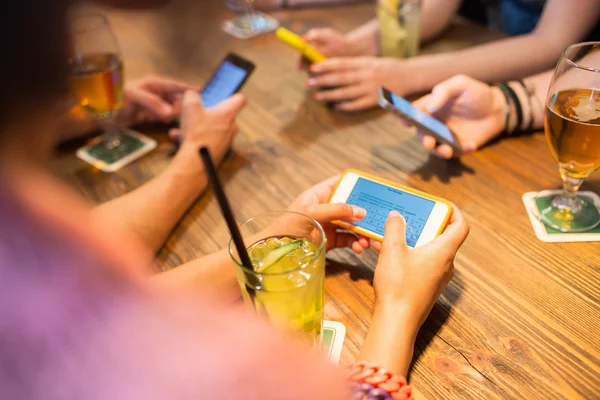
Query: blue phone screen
[[379, 200], [224, 83], [434, 125]]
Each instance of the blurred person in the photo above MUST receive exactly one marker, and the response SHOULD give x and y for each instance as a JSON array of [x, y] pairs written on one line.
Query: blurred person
[[238, 5], [541, 29], [78, 316]]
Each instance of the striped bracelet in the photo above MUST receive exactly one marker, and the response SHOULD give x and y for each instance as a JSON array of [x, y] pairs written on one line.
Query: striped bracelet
[[370, 382]]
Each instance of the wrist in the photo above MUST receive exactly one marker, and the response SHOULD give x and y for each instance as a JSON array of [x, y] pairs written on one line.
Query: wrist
[[187, 167], [405, 316], [500, 110]]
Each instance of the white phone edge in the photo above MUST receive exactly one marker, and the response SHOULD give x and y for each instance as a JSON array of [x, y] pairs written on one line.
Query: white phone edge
[[434, 223]]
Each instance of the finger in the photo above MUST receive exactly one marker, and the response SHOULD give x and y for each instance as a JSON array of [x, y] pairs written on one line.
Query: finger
[[335, 212], [394, 235], [175, 134], [343, 93], [356, 105], [377, 246], [422, 103], [335, 79], [162, 84], [232, 106], [152, 104], [347, 239], [445, 92], [456, 232], [444, 151], [317, 34], [335, 64], [357, 248], [364, 242], [428, 142]]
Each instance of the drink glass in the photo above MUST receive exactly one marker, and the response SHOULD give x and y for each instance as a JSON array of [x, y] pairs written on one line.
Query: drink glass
[[572, 126], [399, 22], [287, 282], [250, 22], [96, 75]]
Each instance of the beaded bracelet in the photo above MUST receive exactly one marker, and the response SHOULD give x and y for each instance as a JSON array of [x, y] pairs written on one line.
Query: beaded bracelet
[[371, 382]]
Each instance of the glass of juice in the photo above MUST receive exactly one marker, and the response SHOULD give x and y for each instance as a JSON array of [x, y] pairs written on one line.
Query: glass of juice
[[287, 279]]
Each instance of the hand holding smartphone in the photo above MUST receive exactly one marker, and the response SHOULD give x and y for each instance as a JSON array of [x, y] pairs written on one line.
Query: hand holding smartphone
[[426, 215], [425, 122], [228, 79]]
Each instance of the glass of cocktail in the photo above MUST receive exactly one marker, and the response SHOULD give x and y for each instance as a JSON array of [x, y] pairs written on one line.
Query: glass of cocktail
[[286, 282]]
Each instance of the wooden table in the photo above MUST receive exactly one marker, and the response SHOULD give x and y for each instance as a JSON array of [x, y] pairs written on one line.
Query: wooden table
[[521, 318]]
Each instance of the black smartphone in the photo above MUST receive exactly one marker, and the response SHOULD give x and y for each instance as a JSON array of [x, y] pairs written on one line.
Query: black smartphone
[[228, 79], [391, 101]]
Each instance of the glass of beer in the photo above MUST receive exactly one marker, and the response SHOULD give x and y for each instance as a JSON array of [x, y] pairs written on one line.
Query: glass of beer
[[96, 74], [572, 125], [287, 281]]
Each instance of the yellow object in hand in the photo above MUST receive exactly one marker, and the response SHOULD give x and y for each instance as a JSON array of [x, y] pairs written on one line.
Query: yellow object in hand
[[300, 44]]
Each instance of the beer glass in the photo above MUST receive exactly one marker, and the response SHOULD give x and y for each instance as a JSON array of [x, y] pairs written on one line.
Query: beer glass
[[96, 75], [572, 126]]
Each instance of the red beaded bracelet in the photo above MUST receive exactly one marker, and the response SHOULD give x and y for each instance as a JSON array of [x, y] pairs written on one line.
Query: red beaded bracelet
[[368, 375]]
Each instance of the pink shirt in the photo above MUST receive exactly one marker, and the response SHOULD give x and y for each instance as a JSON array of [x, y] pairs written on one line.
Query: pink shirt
[[72, 328]]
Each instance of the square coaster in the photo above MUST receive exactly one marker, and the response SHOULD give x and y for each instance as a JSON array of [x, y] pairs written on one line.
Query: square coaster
[[551, 235], [261, 23], [333, 339]]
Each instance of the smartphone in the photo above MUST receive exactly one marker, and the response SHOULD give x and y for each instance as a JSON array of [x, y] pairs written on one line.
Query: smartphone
[[426, 215], [434, 127], [309, 52], [228, 79]]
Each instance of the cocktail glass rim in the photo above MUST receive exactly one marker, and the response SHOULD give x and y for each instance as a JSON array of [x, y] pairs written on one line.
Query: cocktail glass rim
[[576, 64], [322, 246]]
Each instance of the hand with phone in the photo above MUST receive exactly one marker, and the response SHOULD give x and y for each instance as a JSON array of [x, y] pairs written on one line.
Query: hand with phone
[[152, 99], [473, 110]]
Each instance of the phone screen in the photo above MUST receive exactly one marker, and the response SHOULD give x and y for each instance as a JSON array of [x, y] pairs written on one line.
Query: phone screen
[[406, 108], [225, 82], [379, 200]]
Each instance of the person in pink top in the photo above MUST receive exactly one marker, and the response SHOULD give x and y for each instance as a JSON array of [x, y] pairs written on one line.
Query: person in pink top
[[80, 318]]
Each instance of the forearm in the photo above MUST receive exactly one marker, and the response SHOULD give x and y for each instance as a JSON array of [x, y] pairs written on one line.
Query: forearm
[[151, 211], [212, 276], [494, 62], [364, 39], [391, 339]]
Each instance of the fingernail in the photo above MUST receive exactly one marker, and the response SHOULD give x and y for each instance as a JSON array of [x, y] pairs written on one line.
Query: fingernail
[[311, 82], [394, 213], [431, 109], [319, 96], [166, 109], [358, 212]]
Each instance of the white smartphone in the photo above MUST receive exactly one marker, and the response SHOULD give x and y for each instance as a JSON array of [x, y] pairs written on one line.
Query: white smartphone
[[426, 216], [434, 127]]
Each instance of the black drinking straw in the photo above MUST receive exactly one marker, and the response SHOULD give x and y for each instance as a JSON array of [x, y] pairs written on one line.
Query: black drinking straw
[[226, 211]]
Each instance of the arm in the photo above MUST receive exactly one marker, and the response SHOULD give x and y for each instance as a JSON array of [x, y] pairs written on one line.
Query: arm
[[496, 61], [151, 211]]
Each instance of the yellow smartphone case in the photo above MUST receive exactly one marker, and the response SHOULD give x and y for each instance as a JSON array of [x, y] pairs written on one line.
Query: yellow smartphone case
[[360, 231], [299, 44]]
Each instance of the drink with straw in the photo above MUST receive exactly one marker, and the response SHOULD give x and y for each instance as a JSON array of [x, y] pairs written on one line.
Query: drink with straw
[[286, 282]]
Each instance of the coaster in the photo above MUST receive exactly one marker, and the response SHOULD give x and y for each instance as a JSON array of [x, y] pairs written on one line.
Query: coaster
[[333, 339], [135, 146], [551, 235], [259, 23]]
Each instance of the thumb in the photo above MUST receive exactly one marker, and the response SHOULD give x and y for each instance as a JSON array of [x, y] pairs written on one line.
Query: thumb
[[394, 236], [191, 108], [232, 106], [445, 92], [335, 212]]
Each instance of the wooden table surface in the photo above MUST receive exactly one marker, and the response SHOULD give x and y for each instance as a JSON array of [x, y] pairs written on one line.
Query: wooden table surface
[[521, 318]]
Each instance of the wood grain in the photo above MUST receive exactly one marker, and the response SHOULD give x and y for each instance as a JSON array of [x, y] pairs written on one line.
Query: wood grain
[[521, 319]]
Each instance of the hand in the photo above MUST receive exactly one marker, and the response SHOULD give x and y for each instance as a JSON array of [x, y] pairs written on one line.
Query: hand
[[329, 42], [213, 127], [314, 203], [411, 279], [152, 99], [473, 110], [354, 81]]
